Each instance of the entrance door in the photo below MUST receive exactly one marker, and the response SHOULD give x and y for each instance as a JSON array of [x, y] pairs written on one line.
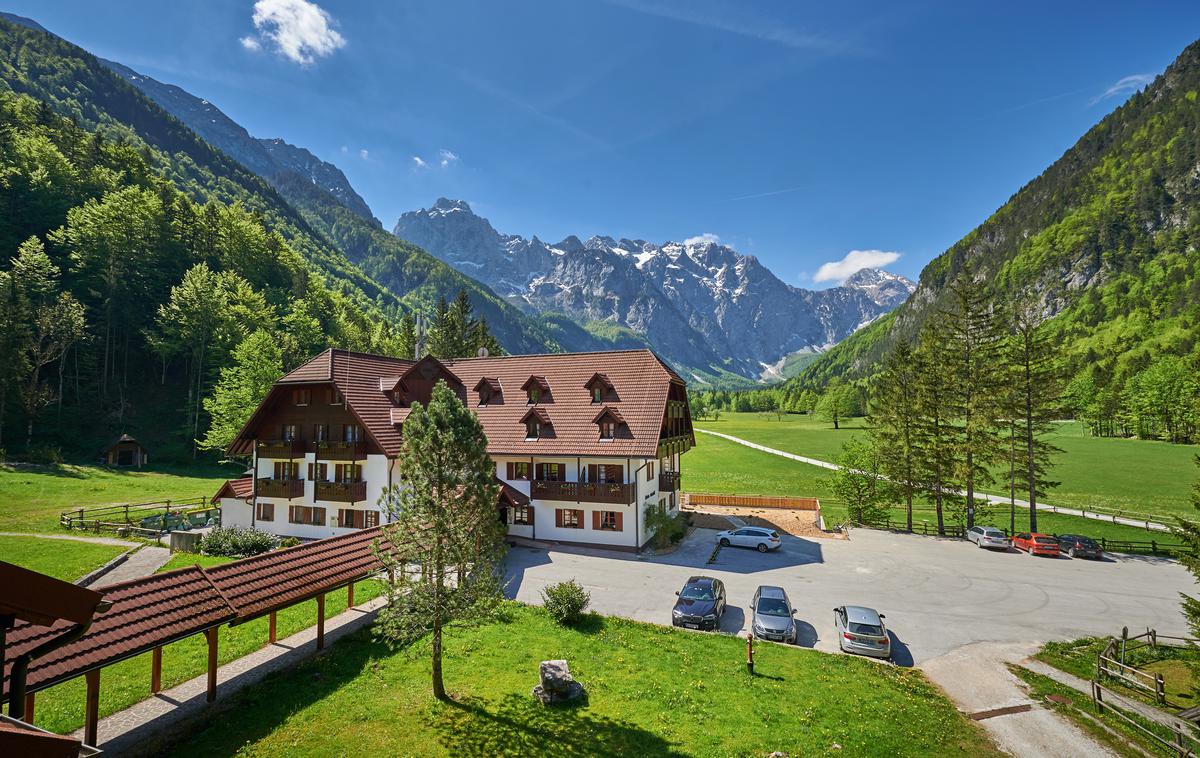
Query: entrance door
[[124, 457]]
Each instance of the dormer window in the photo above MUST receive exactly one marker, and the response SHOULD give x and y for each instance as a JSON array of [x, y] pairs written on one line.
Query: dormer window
[[537, 390], [610, 422], [489, 391], [599, 387], [537, 424]]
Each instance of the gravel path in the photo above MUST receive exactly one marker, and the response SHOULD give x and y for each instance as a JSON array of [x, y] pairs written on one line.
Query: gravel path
[[74, 538], [141, 563]]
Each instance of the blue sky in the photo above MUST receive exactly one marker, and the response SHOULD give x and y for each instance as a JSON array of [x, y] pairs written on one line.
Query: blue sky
[[797, 132]]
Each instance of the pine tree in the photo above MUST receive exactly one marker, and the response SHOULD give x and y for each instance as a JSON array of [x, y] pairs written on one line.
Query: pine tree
[[444, 516], [972, 350], [894, 415], [1035, 377]]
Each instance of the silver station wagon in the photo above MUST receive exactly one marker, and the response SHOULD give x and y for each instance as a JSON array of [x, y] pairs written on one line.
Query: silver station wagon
[[860, 630]]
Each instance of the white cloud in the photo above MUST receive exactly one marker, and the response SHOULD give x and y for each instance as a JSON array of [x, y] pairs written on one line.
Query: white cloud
[[419, 162], [703, 238], [445, 157], [1124, 86], [299, 30], [839, 271], [363, 153]]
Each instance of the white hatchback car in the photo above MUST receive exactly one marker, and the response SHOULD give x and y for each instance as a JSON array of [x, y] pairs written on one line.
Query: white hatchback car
[[987, 536], [757, 537]]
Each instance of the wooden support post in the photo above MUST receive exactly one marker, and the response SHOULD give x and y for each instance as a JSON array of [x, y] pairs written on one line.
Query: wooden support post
[[91, 711], [30, 702], [350, 596], [320, 621], [271, 626], [211, 636], [156, 670]]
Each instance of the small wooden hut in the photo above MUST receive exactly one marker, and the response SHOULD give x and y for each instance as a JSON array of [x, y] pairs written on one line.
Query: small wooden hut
[[126, 451]]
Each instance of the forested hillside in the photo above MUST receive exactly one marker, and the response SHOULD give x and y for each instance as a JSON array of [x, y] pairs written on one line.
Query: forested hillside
[[1105, 243], [135, 258]]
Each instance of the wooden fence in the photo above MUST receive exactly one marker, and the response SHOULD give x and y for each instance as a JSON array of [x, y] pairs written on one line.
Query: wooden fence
[[1111, 662], [753, 501], [1173, 733], [150, 520]]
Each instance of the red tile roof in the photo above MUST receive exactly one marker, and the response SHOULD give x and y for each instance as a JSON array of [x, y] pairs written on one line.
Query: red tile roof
[[145, 613], [637, 385], [241, 488], [254, 586]]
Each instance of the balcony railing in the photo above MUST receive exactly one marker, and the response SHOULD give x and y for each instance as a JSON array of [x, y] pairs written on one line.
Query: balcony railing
[[587, 492], [341, 451], [288, 488], [342, 492], [282, 448], [668, 481]]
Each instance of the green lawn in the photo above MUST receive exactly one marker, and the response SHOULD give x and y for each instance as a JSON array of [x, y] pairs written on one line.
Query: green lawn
[[720, 466], [62, 559], [60, 708], [1139, 476], [651, 691], [32, 496]]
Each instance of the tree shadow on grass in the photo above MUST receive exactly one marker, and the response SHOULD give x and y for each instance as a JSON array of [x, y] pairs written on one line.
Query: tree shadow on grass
[[518, 725]]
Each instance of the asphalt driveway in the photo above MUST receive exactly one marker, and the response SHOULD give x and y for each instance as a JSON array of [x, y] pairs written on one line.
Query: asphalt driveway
[[938, 595]]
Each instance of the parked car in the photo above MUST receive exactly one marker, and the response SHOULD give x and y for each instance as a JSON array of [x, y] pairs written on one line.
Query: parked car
[[860, 630], [1036, 544], [701, 603], [757, 537], [771, 615], [1078, 546], [987, 536]]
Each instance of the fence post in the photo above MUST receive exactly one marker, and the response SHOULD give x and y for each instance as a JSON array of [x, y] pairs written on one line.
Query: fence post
[[1160, 690], [1153, 546], [1097, 697]]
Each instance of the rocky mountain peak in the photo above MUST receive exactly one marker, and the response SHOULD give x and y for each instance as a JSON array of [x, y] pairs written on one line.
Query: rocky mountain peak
[[887, 289], [445, 205]]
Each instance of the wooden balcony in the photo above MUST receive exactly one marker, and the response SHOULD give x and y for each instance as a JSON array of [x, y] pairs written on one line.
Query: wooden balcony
[[288, 488], [282, 448], [342, 492], [668, 481], [585, 492], [341, 451]]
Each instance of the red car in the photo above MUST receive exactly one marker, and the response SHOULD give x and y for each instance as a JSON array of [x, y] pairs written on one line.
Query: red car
[[1036, 544]]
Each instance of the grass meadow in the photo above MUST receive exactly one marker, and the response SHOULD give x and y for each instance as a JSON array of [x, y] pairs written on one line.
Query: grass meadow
[[651, 691]]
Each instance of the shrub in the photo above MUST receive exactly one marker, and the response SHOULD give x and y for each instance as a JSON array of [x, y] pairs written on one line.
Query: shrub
[[289, 542], [45, 454], [566, 601], [237, 542]]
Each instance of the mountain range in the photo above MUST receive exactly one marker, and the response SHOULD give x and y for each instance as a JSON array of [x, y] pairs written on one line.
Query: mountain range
[[699, 303]]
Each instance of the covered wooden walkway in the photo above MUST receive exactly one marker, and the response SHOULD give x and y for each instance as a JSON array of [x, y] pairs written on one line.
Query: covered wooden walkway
[[147, 613]]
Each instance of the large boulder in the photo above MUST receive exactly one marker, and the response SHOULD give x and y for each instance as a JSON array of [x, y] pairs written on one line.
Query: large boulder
[[557, 685]]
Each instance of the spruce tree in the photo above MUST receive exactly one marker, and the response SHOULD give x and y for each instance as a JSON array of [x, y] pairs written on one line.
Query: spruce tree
[[973, 351], [936, 437], [1189, 533], [894, 415], [1036, 379]]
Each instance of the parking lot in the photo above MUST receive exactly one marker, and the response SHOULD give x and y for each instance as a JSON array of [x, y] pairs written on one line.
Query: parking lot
[[938, 594]]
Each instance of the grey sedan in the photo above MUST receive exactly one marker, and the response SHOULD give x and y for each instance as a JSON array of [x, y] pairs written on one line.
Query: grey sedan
[[987, 536], [861, 630], [771, 615]]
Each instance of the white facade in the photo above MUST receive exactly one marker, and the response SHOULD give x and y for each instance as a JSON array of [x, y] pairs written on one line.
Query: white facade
[[379, 472]]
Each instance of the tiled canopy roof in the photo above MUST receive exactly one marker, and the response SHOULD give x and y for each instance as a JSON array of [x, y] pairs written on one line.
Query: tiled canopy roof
[[145, 613], [254, 586], [636, 384]]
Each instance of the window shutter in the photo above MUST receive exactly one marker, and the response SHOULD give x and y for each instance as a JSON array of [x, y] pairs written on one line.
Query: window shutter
[[540, 469], [596, 520], [620, 521], [614, 472], [310, 471], [579, 518], [510, 471], [558, 517]]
